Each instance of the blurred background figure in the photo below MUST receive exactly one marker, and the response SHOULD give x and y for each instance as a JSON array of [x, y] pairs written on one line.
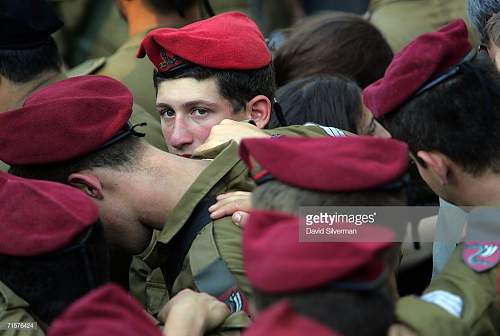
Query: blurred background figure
[[333, 44], [402, 20], [92, 28]]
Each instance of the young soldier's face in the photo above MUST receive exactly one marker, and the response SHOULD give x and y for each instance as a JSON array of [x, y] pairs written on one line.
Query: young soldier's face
[[188, 109]]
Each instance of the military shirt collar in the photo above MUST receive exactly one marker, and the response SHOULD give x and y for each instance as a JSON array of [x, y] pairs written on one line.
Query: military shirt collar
[[212, 175]]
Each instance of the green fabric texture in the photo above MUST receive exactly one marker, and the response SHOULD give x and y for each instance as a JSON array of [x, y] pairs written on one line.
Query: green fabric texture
[[15, 309], [478, 290]]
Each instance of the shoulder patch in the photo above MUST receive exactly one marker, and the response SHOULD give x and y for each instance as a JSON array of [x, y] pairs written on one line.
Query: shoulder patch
[[87, 68], [331, 131], [481, 256], [452, 303]]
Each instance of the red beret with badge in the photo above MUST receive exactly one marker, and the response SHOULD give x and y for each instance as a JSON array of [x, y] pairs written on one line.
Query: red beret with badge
[[277, 262], [423, 62], [39, 217], [65, 120], [229, 41], [334, 164], [282, 320], [106, 311]]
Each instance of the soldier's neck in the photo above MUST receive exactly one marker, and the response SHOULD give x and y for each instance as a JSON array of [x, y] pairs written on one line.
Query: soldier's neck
[[481, 191], [166, 177], [13, 95]]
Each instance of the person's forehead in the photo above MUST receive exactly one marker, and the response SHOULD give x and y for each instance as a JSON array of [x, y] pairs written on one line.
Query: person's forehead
[[182, 90]]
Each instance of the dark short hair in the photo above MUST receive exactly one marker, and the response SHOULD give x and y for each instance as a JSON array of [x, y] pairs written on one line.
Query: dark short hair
[[349, 313], [23, 65], [237, 86], [326, 100], [277, 196], [121, 156], [332, 44], [165, 7], [459, 118], [51, 282]]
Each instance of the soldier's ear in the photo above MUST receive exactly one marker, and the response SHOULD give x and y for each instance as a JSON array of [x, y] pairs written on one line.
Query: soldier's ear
[[259, 110], [88, 183], [437, 163]]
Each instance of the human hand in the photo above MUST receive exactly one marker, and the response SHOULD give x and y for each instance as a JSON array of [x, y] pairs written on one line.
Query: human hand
[[228, 130], [235, 203], [191, 314]]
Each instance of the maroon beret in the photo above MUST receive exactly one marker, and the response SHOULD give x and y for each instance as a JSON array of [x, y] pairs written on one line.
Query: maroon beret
[[277, 262], [106, 311], [326, 163], [39, 217], [282, 320], [64, 120], [423, 59], [229, 41]]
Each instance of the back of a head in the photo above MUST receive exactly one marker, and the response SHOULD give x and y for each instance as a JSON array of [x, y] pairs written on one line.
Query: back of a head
[[329, 101], [28, 50], [332, 44], [458, 118], [358, 171], [320, 279], [96, 108], [350, 313], [108, 310], [56, 250]]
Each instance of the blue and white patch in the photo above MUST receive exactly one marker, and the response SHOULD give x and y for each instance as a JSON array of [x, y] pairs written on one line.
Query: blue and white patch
[[452, 303], [235, 302], [331, 131]]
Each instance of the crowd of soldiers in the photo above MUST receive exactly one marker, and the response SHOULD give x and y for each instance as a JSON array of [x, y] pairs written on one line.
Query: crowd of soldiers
[[160, 190]]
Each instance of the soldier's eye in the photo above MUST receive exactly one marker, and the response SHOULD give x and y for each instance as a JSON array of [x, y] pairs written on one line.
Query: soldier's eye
[[199, 112], [167, 113]]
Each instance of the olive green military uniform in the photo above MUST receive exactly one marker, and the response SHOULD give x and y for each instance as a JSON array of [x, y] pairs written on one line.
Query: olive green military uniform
[[219, 240], [460, 301], [92, 28], [402, 20], [14, 309]]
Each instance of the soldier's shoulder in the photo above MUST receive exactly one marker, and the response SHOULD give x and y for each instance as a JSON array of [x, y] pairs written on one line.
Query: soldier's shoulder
[[307, 130], [88, 67]]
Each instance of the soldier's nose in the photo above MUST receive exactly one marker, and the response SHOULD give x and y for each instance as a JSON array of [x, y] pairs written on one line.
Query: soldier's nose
[[180, 136]]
